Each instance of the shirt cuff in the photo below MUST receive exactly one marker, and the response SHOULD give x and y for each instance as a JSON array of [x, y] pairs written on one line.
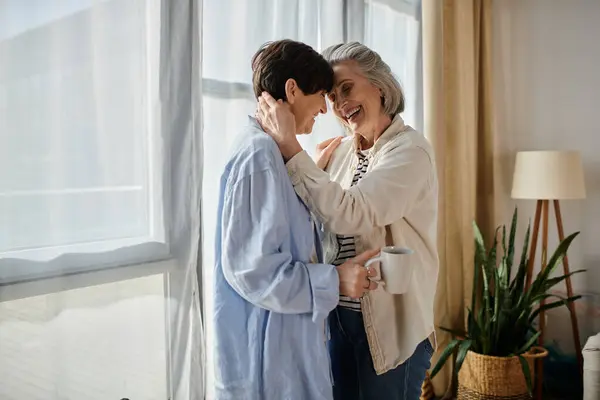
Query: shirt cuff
[[325, 283]]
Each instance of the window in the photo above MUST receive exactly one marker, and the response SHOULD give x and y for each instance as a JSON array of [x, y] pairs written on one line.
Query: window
[[80, 154], [100, 180]]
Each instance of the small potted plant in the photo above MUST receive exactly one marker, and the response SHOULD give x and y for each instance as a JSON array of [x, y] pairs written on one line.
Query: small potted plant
[[495, 355]]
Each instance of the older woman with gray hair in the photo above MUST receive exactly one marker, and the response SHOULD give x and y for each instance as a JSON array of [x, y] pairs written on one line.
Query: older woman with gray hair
[[378, 189]]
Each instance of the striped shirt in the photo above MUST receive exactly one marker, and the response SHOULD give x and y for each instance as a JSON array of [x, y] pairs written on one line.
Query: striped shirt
[[346, 244]]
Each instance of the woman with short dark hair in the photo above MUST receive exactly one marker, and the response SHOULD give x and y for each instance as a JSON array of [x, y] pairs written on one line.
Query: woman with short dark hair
[[273, 292]]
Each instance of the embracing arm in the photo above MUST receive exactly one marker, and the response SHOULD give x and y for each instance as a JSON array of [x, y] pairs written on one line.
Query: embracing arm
[[384, 195], [254, 264]]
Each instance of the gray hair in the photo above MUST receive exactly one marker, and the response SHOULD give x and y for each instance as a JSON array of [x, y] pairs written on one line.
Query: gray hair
[[374, 69]]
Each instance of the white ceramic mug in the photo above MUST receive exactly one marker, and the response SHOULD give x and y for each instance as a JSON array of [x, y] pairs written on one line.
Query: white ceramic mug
[[396, 266]]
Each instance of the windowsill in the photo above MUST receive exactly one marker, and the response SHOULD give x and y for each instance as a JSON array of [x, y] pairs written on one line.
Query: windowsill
[[14, 270], [47, 253], [37, 287]]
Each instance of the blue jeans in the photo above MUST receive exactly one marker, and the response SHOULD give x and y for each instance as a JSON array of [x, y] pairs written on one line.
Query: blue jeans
[[353, 372]]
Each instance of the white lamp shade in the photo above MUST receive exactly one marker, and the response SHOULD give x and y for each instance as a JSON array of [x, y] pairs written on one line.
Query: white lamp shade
[[548, 175]]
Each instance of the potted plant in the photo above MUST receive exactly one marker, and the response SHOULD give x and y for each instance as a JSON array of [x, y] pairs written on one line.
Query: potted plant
[[495, 355]]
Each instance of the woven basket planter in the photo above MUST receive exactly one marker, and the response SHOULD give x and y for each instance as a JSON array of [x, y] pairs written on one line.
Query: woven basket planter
[[496, 378]]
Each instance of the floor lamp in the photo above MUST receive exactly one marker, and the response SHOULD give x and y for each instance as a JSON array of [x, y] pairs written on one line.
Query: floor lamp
[[547, 176]]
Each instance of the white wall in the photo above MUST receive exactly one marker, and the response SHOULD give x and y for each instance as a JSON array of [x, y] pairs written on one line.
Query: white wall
[[547, 96]]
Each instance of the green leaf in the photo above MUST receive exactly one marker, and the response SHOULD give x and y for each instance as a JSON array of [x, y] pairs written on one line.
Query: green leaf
[[486, 284], [529, 343], [492, 259], [486, 311], [554, 304], [526, 373], [518, 291], [444, 356], [475, 290], [504, 250], [477, 331], [551, 282], [538, 298], [511, 244], [498, 297], [479, 244], [463, 349], [524, 255], [557, 257], [532, 329], [455, 332], [503, 272], [518, 284]]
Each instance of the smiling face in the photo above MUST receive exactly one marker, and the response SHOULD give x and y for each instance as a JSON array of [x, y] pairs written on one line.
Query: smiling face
[[356, 101], [305, 107]]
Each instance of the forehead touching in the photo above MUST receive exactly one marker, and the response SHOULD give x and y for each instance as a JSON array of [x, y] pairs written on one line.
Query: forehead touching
[[320, 93], [344, 76], [345, 71]]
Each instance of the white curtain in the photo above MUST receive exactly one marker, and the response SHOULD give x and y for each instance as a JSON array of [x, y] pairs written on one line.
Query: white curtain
[[233, 30], [100, 184]]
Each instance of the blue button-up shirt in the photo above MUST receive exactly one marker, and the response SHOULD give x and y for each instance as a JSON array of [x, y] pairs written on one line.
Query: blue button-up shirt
[[271, 301]]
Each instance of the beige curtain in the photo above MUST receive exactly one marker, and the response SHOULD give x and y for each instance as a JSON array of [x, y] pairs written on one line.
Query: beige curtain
[[458, 121]]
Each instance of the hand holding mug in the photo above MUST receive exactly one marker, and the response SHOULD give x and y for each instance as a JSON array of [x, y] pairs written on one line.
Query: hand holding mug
[[355, 278]]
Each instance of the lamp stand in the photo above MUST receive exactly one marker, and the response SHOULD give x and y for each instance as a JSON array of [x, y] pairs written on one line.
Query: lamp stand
[[541, 213]]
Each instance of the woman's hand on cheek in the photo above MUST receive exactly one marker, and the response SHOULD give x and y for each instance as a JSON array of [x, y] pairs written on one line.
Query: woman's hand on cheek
[[276, 118], [279, 122]]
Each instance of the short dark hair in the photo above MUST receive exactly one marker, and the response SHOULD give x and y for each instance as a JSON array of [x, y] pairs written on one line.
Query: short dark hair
[[276, 62]]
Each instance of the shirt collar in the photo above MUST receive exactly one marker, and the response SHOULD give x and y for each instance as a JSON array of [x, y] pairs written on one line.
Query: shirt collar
[[254, 122], [397, 126]]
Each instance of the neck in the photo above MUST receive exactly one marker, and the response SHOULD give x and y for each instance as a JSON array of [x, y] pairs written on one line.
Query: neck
[[370, 136]]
